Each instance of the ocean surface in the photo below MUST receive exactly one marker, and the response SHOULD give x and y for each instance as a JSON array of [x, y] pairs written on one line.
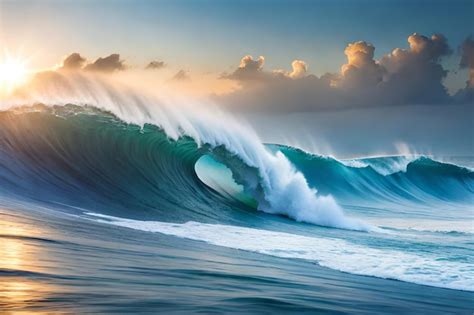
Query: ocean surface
[[104, 214]]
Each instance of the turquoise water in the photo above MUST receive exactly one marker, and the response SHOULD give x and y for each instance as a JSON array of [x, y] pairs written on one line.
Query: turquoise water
[[99, 215]]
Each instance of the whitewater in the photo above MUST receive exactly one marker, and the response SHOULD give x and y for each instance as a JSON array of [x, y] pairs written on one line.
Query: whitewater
[[85, 151]]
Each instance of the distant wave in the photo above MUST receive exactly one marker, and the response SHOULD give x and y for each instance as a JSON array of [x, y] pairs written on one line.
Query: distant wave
[[382, 165], [420, 180]]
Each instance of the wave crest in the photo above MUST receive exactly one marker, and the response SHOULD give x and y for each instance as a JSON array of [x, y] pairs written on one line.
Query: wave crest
[[69, 150]]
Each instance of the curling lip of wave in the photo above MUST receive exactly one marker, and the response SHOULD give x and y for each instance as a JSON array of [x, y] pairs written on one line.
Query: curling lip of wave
[[277, 186]]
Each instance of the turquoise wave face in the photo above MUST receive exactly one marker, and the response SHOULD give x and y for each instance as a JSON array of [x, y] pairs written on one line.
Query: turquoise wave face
[[370, 181], [85, 158], [88, 163]]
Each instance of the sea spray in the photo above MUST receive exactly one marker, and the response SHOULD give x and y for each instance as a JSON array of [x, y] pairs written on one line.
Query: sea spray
[[285, 190]]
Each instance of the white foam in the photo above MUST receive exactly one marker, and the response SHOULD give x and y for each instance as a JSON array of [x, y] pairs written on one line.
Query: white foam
[[433, 270], [465, 225], [382, 165], [285, 190], [354, 163]]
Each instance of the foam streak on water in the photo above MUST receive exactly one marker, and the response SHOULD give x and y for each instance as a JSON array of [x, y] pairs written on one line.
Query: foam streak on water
[[429, 269]]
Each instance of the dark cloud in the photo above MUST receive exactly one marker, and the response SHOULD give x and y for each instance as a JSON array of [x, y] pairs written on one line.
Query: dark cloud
[[155, 65], [415, 75], [73, 62], [467, 59], [181, 75], [107, 64], [466, 95]]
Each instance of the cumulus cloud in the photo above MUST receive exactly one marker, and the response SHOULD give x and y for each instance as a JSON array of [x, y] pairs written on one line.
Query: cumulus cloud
[[107, 64], [276, 90], [415, 75], [73, 62], [361, 70], [300, 69], [248, 63], [249, 69], [155, 65], [412, 75]]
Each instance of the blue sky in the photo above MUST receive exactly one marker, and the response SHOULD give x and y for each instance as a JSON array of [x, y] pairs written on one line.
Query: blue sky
[[214, 35]]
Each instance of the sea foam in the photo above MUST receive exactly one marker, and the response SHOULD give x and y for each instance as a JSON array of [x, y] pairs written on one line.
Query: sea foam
[[432, 269]]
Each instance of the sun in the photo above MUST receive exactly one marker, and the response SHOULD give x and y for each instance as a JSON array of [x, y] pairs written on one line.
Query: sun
[[13, 73]]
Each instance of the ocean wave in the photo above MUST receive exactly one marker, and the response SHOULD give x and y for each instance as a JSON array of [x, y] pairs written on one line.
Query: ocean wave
[[86, 157], [123, 154], [423, 181], [384, 166]]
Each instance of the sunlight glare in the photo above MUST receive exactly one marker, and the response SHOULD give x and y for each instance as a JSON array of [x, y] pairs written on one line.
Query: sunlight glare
[[12, 73]]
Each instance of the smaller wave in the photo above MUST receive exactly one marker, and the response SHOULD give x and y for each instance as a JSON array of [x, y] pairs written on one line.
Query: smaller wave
[[414, 182], [388, 165], [384, 165], [328, 252]]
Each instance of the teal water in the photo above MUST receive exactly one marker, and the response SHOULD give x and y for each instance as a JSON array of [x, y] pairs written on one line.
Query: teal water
[[103, 216]]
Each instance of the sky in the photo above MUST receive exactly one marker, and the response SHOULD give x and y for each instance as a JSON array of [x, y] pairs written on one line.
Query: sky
[[275, 59], [213, 35]]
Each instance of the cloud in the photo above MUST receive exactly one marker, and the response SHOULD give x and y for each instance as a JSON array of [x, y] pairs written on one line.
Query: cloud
[[466, 95], [247, 63], [181, 75], [277, 90], [415, 75], [249, 69], [361, 70], [107, 64], [300, 68], [467, 59], [412, 75], [73, 62], [155, 65]]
